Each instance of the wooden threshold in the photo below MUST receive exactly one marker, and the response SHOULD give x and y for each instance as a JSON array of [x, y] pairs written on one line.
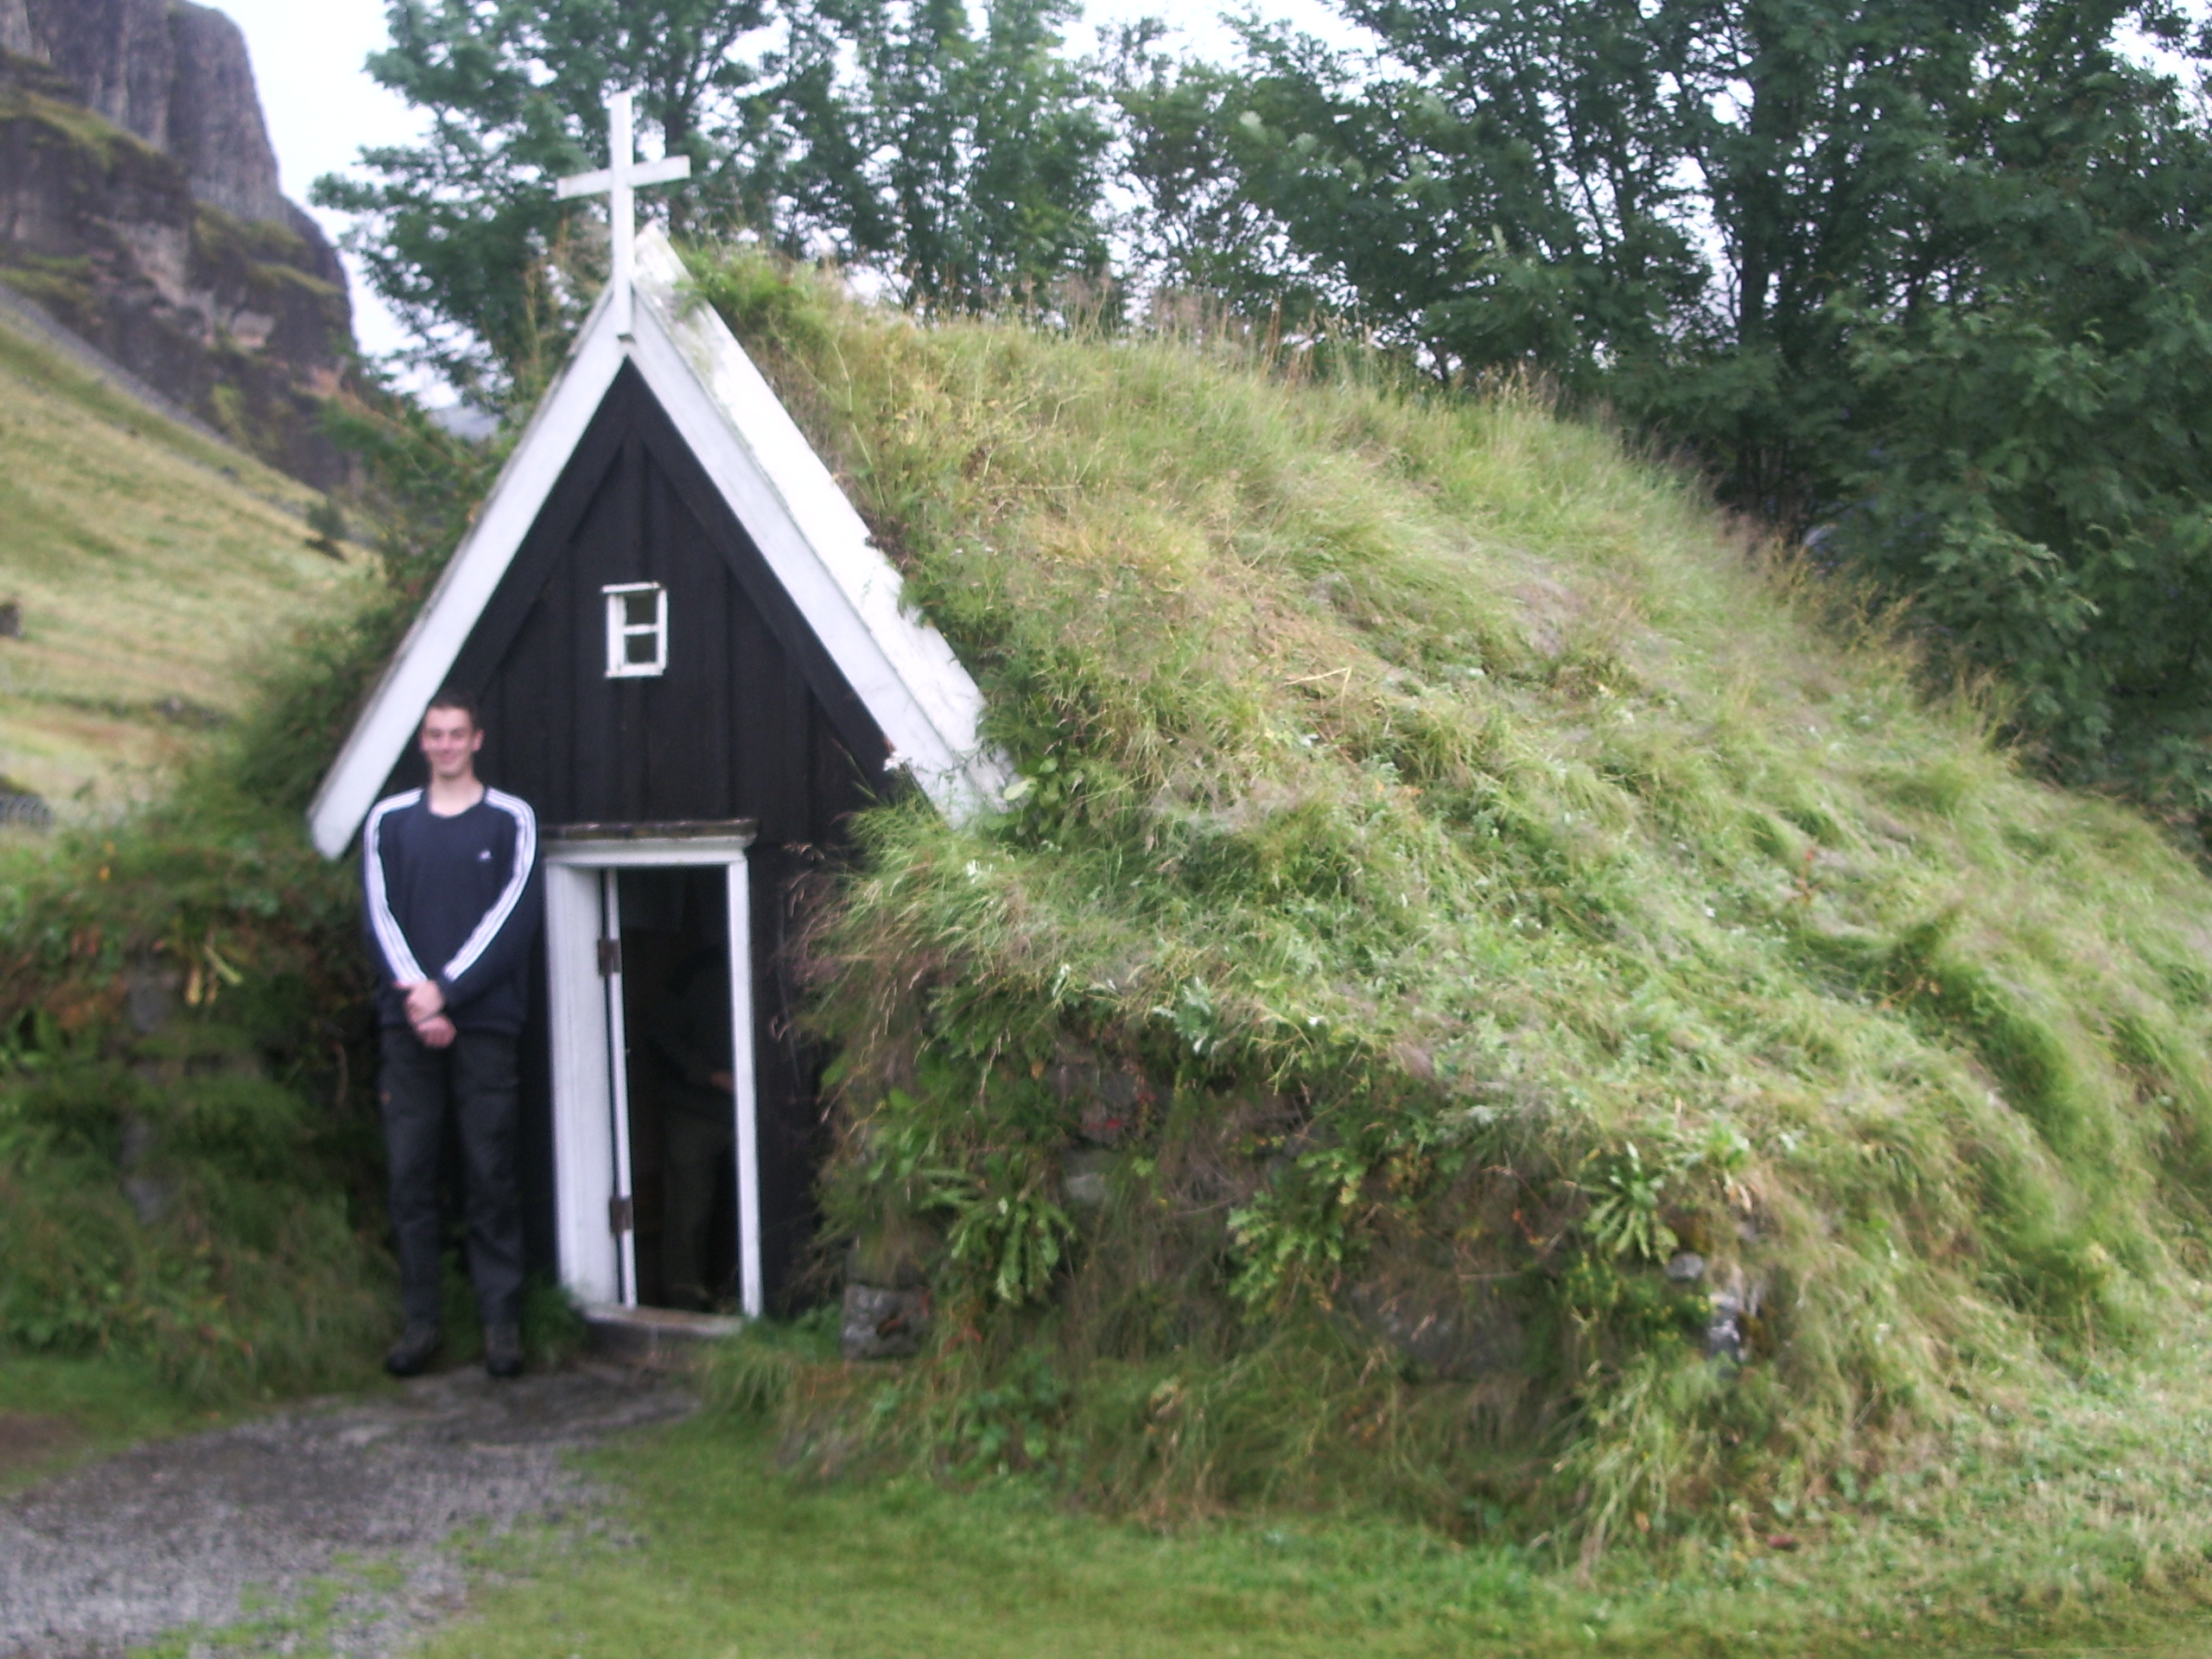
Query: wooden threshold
[[664, 1337]]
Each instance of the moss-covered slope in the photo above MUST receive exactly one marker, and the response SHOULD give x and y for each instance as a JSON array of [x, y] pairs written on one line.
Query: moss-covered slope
[[1456, 879], [151, 569]]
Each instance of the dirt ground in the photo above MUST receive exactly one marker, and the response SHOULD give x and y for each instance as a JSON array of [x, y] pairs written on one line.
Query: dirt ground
[[344, 1508], [26, 1441]]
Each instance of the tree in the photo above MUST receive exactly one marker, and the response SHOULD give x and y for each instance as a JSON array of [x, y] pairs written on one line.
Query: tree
[[1925, 270], [461, 233], [1656, 202], [983, 179], [2035, 477], [966, 165]]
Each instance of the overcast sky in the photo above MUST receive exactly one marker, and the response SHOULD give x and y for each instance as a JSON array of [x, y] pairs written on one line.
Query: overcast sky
[[322, 106]]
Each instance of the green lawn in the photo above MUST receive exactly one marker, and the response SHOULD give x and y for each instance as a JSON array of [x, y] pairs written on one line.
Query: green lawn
[[727, 1557], [718, 1554]]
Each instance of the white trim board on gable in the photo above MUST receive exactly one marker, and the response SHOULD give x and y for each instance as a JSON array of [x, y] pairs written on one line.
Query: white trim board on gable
[[904, 674]]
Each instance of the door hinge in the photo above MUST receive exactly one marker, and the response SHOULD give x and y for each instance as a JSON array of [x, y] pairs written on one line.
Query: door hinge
[[610, 958], [621, 1216]]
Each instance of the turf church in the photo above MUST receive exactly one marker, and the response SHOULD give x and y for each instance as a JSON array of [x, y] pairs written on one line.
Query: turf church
[[693, 666]]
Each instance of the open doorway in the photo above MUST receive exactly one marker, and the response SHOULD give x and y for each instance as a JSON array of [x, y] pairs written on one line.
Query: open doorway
[[655, 1131], [683, 1087]]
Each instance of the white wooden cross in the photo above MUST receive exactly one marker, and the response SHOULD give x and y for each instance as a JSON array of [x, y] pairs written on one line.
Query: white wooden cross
[[619, 183]]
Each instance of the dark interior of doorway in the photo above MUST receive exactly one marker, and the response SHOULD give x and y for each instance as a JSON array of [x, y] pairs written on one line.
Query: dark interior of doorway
[[675, 1015]]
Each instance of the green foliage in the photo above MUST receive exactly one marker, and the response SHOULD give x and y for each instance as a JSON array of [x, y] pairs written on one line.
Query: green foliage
[[2071, 1524], [1005, 1231], [423, 483], [167, 1197], [1005, 1236], [754, 1374], [461, 234], [992, 188], [1624, 1219], [963, 164], [1439, 804], [1919, 277], [2039, 496], [151, 564], [1012, 1424], [327, 520], [1296, 1234], [107, 1405]]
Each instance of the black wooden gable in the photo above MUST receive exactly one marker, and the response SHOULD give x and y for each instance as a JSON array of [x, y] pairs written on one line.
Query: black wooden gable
[[751, 720]]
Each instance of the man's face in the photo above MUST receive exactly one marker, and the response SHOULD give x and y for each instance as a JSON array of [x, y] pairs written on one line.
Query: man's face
[[450, 740]]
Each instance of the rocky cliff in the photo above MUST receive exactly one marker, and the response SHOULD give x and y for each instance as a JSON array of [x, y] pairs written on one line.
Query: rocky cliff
[[139, 205]]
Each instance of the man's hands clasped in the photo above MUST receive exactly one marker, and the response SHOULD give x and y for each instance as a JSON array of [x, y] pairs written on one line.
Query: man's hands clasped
[[426, 1003]]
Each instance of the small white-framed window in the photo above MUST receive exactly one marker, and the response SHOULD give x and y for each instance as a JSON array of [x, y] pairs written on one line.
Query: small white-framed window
[[637, 630]]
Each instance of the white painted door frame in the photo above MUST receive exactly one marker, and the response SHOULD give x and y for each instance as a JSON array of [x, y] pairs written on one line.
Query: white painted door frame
[[591, 1139]]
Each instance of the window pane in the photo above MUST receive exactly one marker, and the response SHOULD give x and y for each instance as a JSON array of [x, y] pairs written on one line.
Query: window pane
[[642, 610], [640, 647]]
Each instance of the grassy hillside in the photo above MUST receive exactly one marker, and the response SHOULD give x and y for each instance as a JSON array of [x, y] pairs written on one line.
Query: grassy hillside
[[1475, 882], [151, 566]]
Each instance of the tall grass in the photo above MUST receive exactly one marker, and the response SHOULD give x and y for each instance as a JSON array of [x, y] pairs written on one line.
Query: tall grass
[[1482, 878]]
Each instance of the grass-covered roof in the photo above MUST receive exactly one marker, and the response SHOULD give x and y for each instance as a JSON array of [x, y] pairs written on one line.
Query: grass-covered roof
[[1479, 877]]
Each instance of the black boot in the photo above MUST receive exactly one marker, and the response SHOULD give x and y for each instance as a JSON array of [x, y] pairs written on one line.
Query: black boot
[[410, 1356], [503, 1350]]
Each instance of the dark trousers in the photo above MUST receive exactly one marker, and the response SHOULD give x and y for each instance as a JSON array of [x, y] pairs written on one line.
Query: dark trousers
[[475, 1079]]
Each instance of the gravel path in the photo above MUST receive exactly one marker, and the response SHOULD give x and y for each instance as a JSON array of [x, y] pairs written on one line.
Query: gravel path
[[345, 1506]]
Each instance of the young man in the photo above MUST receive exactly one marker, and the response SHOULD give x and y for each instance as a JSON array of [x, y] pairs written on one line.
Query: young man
[[451, 874]]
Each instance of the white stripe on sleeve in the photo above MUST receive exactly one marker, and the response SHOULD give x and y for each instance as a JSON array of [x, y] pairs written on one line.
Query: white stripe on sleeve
[[496, 918], [399, 956]]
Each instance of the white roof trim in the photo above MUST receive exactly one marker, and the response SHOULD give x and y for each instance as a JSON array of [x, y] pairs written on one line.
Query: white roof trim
[[904, 674]]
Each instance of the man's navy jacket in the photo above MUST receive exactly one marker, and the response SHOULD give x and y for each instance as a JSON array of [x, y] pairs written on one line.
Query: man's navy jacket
[[454, 899]]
